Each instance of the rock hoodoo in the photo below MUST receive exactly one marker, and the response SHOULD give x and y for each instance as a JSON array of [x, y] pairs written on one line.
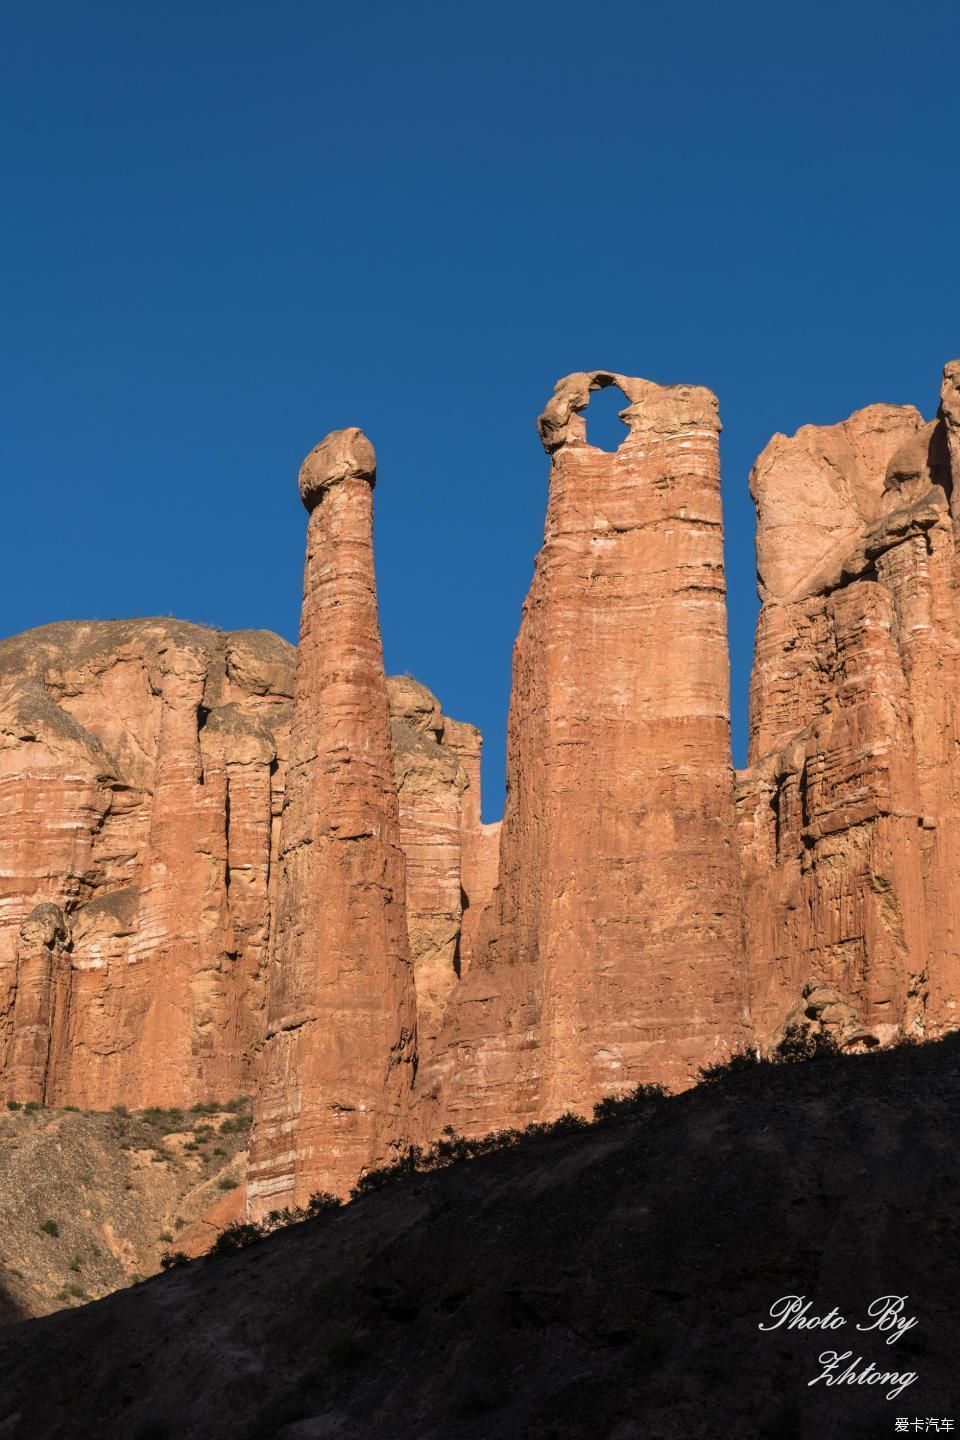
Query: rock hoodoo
[[338, 1060]]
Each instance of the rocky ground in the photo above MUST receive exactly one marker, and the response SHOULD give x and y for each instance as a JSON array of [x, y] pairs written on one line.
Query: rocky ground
[[89, 1202], [598, 1286]]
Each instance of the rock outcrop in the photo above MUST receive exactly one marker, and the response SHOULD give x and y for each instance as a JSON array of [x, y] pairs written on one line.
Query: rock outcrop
[[228, 865], [338, 1062], [850, 805], [616, 953], [141, 768], [142, 773]]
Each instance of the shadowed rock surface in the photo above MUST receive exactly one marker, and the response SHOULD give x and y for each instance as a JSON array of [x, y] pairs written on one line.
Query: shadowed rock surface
[[604, 1286]]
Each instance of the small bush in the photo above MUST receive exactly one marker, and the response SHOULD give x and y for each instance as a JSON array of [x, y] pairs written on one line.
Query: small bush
[[736, 1062], [322, 1203], [800, 1043], [166, 1237], [32, 1105], [50, 1227], [170, 1259], [566, 1124], [71, 1292], [76, 1264], [74, 1109], [167, 1120], [179, 1223], [211, 1107], [236, 1237], [120, 1110], [625, 1107], [13, 1104], [236, 1125], [227, 1182]]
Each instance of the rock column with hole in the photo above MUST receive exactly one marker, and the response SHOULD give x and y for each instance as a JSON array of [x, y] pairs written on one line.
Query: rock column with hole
[[338, 1060], [616, 956]]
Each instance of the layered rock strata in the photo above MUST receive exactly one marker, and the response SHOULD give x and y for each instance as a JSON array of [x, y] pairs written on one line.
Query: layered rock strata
[[338, 1061], [850, 805], [141, 773], [616, 952]]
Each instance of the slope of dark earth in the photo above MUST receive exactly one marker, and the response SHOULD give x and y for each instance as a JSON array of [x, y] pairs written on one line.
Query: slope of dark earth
[[607, 1285]]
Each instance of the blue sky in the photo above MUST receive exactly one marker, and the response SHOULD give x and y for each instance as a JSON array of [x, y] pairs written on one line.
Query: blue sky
[[227, 229]]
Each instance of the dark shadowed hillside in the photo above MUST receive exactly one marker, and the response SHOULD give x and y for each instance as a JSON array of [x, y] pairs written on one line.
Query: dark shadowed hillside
[[602, 1286]]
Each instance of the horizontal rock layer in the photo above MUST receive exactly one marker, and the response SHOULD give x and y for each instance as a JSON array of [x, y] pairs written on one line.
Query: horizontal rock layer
[[850, 806], [142, 775]]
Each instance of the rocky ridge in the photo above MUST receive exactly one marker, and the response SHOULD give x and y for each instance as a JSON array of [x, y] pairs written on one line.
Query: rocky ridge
[[232, 867]]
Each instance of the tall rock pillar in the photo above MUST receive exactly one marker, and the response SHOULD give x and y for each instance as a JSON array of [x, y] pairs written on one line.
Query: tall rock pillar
[[337, 1065], [616, 956]]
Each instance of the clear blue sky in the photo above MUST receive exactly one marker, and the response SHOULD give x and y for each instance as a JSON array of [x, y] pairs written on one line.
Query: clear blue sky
[[230, 228]]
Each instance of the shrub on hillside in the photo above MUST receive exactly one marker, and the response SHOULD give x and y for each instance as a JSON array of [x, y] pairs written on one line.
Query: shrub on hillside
[[625, 1107]]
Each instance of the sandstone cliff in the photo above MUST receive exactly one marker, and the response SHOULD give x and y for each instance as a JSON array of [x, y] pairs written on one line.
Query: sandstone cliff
[[849, 808], [141, 771], [139, 825]]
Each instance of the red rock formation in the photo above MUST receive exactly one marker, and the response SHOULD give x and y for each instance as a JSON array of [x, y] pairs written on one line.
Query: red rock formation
[[40, 1002], [479, 842], [616, 955], [848, 810], [430, 787], [139, 769], [142, 769], [337, 1066]]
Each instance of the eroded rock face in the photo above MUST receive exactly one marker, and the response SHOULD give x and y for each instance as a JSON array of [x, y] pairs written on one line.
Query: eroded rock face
[[338, 1061], [142, 772], [615, 954], [848, 809], [141, 765]]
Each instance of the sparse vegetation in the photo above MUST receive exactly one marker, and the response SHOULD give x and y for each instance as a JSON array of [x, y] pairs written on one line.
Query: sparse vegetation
[[50, 1227], [626, 1107], [800, 1044], [72, 1292], [166, 1237], [242, 1233], [76, 1263], [179, 1223], [170, 1259], [32, 1105], [227, 1182], [236, 1125], [13, 1104], [120, 1110]]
